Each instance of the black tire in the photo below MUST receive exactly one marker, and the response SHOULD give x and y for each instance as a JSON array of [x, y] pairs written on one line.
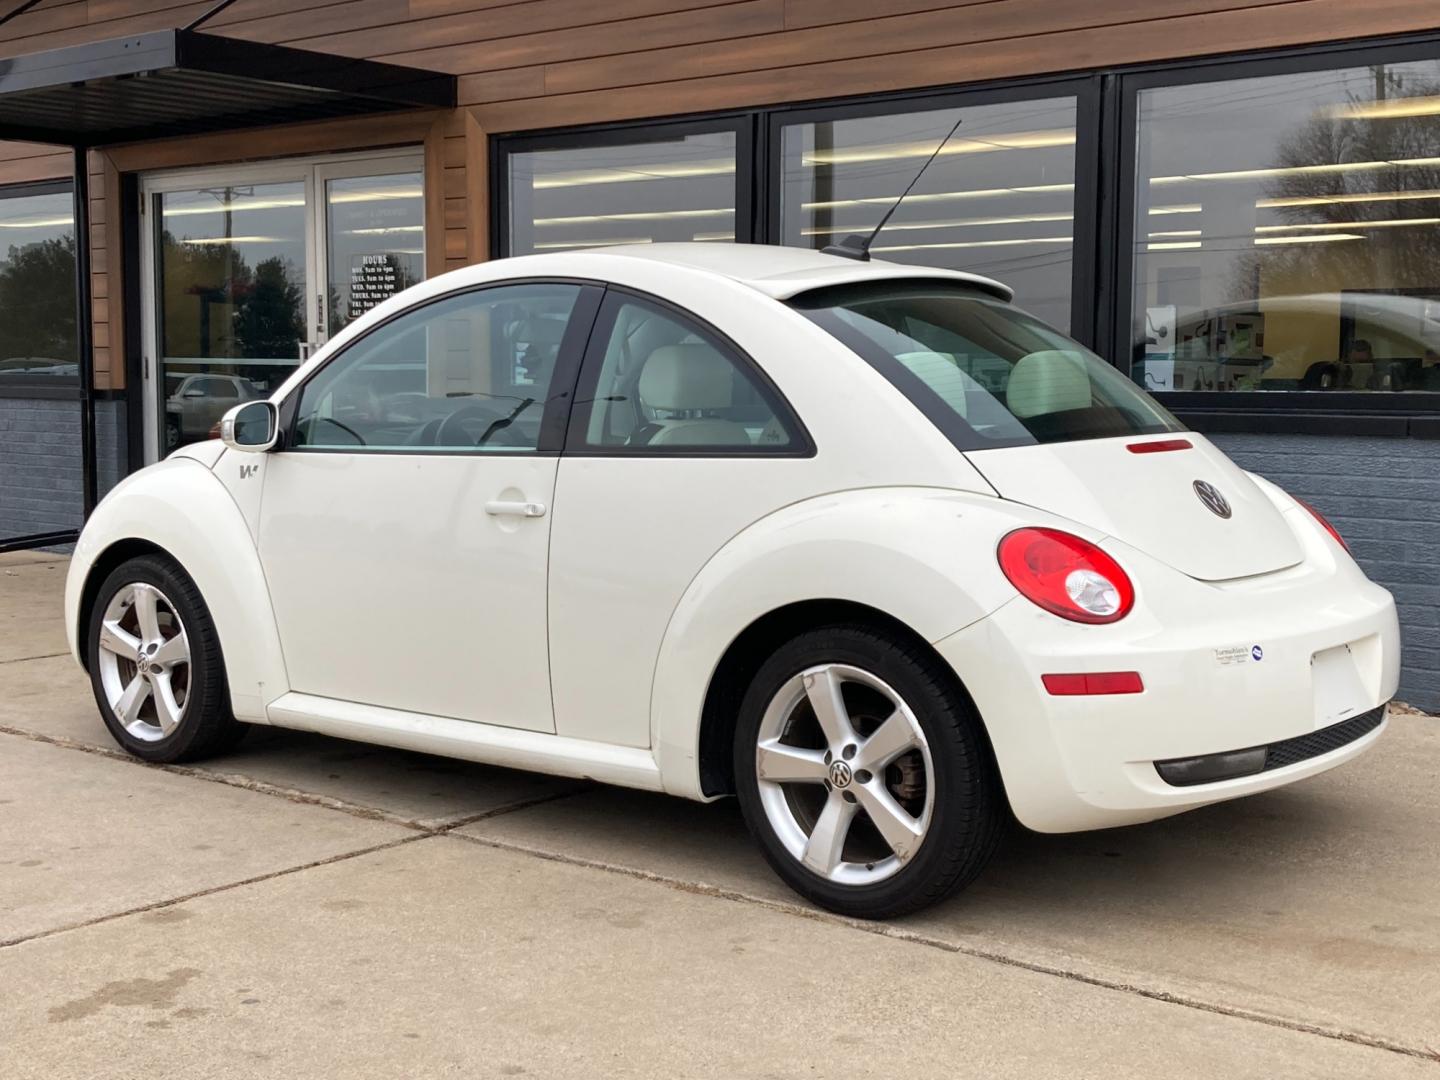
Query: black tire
[[969, 810], [207, 726]]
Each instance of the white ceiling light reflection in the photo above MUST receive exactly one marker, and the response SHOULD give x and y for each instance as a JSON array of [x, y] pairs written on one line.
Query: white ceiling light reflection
[[386, 230], [1173, 245], [1348, 197], [658, 171], [1391, 223], [954, 223], [235, 240], [1296, 170], [941, 196], [1311, 238], [1019, 140], [634, 215], [1386, 108], [37, 223], [1012, 242]]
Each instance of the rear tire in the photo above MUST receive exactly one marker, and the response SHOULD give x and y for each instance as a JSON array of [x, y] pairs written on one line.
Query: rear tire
[[881, 802], [155, 664]]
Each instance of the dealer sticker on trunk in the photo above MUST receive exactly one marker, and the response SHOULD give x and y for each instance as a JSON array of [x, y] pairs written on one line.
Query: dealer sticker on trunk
[[1232, 655]]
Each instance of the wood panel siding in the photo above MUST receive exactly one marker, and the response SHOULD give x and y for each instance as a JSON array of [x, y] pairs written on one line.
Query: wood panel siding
[[527, 65]]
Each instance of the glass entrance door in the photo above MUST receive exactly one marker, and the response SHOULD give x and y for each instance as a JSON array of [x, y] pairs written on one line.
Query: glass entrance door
[[250, 270]]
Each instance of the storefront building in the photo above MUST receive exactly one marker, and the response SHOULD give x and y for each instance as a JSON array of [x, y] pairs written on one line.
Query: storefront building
[[1235, 202]]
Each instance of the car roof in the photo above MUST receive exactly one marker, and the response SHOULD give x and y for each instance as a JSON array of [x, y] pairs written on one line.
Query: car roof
[[783, 272]]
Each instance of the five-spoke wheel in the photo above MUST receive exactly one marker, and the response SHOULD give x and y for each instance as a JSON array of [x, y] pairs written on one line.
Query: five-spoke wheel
[[864, 773], [155, 663], [144, 661]]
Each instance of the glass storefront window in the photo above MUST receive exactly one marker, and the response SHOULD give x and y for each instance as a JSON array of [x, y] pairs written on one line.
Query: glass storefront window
[[1287, 233], [641, 192], [37, 290], [375, 241], [999, 199], [230, 272]]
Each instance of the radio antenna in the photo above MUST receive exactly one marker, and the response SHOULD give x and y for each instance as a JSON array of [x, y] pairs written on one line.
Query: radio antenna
[[856, 246]]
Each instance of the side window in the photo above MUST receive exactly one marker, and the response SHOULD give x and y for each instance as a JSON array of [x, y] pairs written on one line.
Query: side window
[[656, 381], [471, 372]]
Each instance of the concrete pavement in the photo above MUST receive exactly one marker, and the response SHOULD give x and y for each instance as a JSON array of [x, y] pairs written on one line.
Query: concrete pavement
[[319, 908]]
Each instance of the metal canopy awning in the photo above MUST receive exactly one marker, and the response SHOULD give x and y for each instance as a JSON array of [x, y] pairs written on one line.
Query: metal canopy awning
[[180, 82], [167, 83]]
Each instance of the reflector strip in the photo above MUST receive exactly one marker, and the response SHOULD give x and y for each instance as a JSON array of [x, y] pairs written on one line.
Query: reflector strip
[[1098, 682], [1159, 446]]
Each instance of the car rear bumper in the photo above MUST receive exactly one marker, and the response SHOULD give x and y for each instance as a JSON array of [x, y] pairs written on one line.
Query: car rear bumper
[[1283, 662]]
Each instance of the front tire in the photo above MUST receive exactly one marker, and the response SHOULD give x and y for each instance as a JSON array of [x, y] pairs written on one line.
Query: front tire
[[155, 664], [864, 775]]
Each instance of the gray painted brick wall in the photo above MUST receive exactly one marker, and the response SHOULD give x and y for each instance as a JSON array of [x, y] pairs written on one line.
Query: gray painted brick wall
[[1384, 497], [40, 467]]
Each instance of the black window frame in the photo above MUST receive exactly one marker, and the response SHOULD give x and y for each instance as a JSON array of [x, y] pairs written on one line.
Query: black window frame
[[47, 387], [741, 124], [553, 421], [1084, 88], [1375, 412], [1105, 156], [616, 297]]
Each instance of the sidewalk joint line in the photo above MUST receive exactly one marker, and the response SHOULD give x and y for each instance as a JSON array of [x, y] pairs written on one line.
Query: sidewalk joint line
[[27, 659], [175, 900], [889, 930]]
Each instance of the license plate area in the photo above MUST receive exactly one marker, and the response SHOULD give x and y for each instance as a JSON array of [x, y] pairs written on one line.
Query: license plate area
[[1338, 681]]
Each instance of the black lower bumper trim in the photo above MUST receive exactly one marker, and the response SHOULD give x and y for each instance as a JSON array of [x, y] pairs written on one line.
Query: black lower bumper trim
[[1210, 768]]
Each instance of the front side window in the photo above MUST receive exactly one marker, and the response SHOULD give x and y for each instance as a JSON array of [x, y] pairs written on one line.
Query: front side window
[[986, 373], [37, 290], [1286, 233], [657, 382], [471, 372], [999, 199], [648, 190]]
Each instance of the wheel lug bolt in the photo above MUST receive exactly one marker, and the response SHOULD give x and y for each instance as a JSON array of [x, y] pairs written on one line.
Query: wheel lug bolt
[[849, 796], [849, 751], [829, 757], [862, 776]]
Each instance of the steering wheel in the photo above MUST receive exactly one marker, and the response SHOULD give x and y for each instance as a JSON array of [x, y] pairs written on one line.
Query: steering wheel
[[499, 427]]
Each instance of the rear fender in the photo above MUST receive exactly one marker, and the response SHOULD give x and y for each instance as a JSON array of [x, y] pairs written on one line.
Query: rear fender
[[924, 556], [181, 507]]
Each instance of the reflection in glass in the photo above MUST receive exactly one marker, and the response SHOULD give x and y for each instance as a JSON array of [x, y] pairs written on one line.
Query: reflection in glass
[[998, 201], [376, 242], [37, 290], [1287, 233], [646, 192], [231, 288]]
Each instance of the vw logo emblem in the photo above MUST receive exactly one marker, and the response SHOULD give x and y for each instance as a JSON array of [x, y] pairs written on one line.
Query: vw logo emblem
[[1213, 500], [840, 775]]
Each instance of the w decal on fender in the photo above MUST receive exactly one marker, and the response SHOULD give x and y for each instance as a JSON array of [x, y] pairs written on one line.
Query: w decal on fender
[[247, 471]]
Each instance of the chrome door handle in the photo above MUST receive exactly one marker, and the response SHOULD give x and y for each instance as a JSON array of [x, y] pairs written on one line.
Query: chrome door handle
[[506, 508]]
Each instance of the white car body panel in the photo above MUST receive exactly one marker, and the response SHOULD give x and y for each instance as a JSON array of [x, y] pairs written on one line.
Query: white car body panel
[[179, 506], [1147, 500], [359, 621], [583, 642]]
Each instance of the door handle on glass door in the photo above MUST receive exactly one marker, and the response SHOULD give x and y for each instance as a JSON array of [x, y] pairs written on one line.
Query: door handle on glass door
[[507, 508]]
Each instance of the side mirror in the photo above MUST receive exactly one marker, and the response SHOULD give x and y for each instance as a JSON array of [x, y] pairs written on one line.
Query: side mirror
[[253, 427]]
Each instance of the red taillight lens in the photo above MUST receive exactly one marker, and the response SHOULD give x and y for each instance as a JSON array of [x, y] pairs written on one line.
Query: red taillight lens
[[1065, 575], [1094, 682], [1328, 527], [1159, 446]]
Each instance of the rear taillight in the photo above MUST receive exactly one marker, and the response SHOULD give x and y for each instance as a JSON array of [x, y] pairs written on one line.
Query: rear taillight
[[1065, 575], [1328, 527]]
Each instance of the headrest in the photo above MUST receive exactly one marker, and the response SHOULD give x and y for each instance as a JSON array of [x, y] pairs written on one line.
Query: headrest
[[692, 376], [1049, 381]]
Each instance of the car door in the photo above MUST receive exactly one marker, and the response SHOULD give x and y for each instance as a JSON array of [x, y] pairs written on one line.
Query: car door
[[677, 443], [404, 527]]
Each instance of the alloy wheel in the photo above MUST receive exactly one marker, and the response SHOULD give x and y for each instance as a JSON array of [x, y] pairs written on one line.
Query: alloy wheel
[[845, 774], [144, 661]]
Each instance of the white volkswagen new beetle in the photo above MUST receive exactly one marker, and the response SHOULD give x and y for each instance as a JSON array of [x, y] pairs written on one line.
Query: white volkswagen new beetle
[[859, 543]]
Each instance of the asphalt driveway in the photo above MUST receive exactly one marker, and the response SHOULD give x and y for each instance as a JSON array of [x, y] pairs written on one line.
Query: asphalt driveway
[[312, 907]]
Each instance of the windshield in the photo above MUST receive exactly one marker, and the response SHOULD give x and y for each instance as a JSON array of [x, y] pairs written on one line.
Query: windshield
[[986, 373]]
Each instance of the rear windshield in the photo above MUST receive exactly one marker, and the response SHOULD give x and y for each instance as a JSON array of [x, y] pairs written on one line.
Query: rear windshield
[[986, 373]]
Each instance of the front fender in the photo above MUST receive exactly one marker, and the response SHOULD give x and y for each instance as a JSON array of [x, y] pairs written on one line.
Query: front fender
[[180, 506], [925, 556]]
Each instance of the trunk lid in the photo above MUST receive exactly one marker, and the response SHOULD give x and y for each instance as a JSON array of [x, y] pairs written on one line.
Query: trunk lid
[[1151, 501]]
